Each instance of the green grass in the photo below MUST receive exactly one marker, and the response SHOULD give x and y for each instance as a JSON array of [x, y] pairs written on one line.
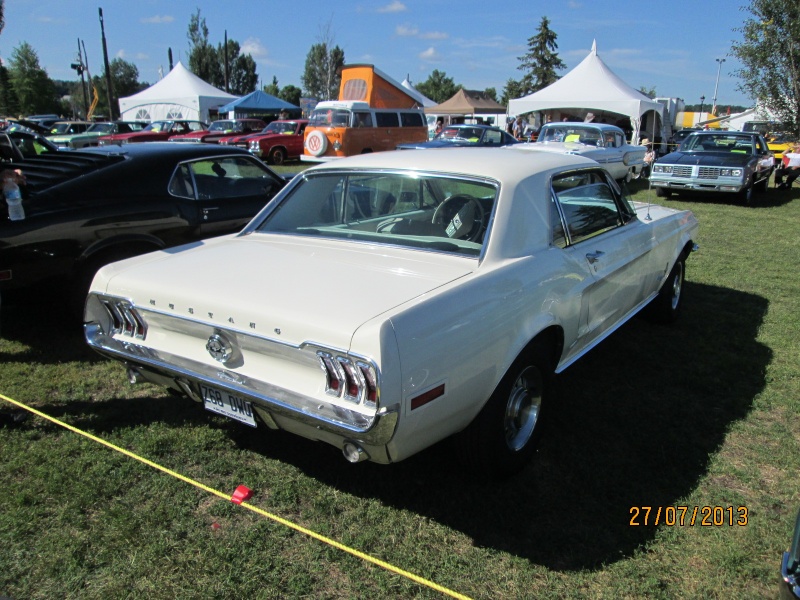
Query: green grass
[[702, 413]]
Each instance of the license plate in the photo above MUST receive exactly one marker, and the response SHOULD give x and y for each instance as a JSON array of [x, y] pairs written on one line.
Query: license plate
[[227, 404]]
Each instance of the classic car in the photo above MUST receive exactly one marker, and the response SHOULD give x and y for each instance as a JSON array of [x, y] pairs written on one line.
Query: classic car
[[69, 127], [97, 130], [276, 143], [601, 142], [220, 129], [157, 131], [732, 162], [386, 301], [790, 567], [465, 135], [85, 208]]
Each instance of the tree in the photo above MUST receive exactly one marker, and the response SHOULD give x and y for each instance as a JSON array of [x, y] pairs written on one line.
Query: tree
[[769, 52], [291, 94], [208, 62], [34, 89], [540, 63], [203, 60], [491, 93], [124, 82], [438, 87], [323, 71], [649, 92], [512, 91], [272, 88]]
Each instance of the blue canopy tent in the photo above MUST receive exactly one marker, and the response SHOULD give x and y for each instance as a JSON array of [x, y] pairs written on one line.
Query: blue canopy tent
[[257, 103]]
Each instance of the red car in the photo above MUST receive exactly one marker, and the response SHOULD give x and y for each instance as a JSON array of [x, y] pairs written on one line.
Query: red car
[[221, 129], [157, 131], [278, 142]]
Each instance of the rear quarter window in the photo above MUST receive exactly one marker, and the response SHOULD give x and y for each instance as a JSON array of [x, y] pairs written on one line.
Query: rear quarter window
[[411, 119], [387, 119]]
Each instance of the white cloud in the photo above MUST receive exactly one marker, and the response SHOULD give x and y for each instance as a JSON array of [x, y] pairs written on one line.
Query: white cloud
[[434, 35], [394, 7], [406, 30], [158, 19], [430, 54], [254, 48]]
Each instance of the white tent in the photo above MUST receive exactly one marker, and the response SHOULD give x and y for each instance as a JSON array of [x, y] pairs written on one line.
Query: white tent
[[180, 95], [418, 96], [591, 86]]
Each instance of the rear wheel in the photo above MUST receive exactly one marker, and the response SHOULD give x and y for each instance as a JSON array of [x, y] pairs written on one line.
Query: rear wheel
[[504, 435]]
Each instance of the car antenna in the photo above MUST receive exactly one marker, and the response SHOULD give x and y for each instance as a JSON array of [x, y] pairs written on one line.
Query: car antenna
[[649, 200]]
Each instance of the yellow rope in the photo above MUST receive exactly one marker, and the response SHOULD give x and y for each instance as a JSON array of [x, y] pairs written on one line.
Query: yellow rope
[[276, 518]]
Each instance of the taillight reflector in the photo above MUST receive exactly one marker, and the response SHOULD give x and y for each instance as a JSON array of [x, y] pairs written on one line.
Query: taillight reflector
[[428, 396]]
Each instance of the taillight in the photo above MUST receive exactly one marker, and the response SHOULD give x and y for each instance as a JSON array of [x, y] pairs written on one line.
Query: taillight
[[355, 382]]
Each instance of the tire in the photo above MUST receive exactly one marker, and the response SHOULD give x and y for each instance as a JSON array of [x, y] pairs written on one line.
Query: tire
[[662, 193], [666, 307], [746, 195], [277, 156], [503, 437]]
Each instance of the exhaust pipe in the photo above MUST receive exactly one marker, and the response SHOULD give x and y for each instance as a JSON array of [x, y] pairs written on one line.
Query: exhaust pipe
[[354, 453]]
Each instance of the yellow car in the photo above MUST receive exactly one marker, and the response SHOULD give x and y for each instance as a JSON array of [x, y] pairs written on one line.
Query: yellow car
[[778, 143]]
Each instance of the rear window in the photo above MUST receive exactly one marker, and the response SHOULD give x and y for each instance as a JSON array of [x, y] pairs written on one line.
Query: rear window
[[442, 214]]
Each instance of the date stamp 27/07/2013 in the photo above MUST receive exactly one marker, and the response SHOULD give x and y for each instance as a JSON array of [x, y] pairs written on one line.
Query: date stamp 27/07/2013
[[703, 516]]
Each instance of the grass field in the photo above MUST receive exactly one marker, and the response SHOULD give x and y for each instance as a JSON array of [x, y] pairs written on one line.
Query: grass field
[[703, 413]]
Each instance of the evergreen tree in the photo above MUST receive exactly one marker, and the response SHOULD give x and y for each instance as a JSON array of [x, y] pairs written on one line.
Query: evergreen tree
[[770, 56], [34, 89], [438, 87], [540, 63], [272, 88]]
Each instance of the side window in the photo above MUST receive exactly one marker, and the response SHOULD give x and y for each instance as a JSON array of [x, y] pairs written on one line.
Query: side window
[[221, 178], [411, 119], [588, 203], [362, 119], [181, 183], [387, 119], [493, 138], [618, 141]]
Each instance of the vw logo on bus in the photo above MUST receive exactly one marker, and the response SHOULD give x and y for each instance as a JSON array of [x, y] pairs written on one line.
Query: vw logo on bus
[[316, 143]]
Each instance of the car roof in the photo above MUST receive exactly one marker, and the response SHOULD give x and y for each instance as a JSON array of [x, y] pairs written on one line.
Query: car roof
[[165, 149], [505, 164]]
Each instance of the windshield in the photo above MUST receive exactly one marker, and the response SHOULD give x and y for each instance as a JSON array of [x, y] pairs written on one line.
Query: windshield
[[461, 134], [223, 126], [158, 126], [570, 133], [718, 142], [280, 127], [329, 117], [101, 128], [401, 209]]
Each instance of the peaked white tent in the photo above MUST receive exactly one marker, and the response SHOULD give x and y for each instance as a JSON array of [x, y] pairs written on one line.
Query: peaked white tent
[[180, 95], [591, 86], [418, 96]]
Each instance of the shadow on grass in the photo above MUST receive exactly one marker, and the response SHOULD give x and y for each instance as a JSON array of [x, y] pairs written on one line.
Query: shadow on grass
[[636, 424], [769, 199]]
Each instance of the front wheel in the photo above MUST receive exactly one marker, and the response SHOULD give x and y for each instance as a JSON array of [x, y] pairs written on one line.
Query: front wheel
[[504, 435], [662, 193], [277, 156], [666, 307]]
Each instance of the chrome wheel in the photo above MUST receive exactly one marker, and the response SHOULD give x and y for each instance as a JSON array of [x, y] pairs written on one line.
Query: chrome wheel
[[522, 408], [677, 284]]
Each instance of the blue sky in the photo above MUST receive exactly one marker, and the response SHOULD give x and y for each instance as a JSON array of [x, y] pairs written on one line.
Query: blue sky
[[671, 45]]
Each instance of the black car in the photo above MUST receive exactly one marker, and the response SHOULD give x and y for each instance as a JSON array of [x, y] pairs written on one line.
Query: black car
[[86, 208], [465, 135], [728, 162]]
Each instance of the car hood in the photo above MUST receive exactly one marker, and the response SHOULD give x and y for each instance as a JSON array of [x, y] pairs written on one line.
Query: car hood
[[721, 159], [306, 289], [438, 144]]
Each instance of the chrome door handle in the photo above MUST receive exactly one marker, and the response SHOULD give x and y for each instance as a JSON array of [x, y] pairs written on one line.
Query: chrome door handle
[[593, 257]]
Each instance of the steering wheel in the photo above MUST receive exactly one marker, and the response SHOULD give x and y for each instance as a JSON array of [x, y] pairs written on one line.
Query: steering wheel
[[463, 213]]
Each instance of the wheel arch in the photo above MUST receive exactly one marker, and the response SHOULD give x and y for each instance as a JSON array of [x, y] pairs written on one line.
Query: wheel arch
[[130, 245]]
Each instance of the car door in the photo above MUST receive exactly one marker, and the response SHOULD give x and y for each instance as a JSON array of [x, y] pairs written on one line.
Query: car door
[[223, 193], [603, 234]]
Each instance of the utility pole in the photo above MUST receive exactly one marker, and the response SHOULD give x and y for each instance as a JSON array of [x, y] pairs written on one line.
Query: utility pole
[[79, 67], [716, 85], [227, 68], [109, 93]]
